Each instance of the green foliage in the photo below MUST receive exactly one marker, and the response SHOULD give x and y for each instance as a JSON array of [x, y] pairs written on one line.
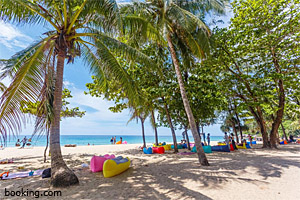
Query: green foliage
[[32, 108], [79, 28], [259, 51]]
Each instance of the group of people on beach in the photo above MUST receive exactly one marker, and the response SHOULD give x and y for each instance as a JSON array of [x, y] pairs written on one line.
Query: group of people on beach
[[230, 139], [24, 142], [113, 140]]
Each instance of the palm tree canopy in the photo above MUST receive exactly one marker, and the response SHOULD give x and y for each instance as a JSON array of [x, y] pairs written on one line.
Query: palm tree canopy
[[80, 28], [181, 19]]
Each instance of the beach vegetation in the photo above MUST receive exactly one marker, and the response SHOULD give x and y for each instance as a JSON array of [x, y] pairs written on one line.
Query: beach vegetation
[[78, 28]]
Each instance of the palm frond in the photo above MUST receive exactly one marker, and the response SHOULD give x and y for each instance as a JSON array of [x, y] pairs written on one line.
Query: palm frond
[[26, 86], [2, 87]]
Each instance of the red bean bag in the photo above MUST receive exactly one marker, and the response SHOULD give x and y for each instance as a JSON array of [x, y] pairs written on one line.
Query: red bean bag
[[231, 147], [159, 150]]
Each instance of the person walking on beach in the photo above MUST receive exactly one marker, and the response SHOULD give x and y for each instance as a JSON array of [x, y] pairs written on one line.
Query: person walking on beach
[[24, 142], [112, 140], [115, 138], [208, 138]]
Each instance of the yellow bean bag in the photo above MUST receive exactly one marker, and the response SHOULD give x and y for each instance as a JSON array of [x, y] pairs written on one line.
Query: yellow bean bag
[[221, 143], [112, 167], [167, 147], [241, 147]]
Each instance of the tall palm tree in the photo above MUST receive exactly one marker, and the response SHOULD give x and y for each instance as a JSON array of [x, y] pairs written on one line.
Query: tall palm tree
[[79, 28], [174, 20]]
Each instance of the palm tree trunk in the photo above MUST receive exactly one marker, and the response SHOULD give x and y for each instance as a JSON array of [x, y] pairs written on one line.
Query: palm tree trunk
[[201, 155], [187, 139], [61, 175], [171, 126], [45, 151], [155, 128], [143, 131]]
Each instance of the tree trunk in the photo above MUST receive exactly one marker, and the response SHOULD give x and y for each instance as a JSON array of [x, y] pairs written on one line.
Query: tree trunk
[[45, 151], [61, 175], [171, 126], [187, 139], [198, 128], [284, 133], [240, 127], [233, 122], [201, 155], [143, 131], [155, 128], [279, 115], [260, 121], [234, 130]]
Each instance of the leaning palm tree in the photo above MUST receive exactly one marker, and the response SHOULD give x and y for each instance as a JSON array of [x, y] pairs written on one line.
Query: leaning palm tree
[[175, 20], [79, 28]]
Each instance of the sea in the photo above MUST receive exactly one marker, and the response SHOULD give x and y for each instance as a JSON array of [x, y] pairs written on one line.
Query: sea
[[82, 140]]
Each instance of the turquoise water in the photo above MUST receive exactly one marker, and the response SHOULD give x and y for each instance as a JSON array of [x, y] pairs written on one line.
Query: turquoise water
[[81, 140]]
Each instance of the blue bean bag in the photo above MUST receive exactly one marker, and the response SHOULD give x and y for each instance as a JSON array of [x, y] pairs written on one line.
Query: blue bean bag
[[248, 146], [179, 146], [147, 151], [184, 146], [253, 142], [207, 149], [223, 148]]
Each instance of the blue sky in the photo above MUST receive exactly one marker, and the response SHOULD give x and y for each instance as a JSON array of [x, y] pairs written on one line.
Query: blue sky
[[98, 119]]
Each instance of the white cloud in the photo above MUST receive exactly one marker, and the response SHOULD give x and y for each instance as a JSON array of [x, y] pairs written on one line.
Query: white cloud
[[11, 37]]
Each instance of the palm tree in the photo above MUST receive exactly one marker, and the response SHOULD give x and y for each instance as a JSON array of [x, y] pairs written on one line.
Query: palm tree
[[80, 28], [175, 21], [2, 87]]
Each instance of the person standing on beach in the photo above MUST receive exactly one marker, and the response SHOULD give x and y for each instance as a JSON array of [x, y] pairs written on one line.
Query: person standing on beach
[[115, 138], [24, 141], [250, 139], [121, 139], [226, 139], [112, 140], [208, 138]]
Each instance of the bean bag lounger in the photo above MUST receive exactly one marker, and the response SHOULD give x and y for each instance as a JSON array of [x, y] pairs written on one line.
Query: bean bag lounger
[[221, 143], [159, 150], [253, 142], [231, 147], [97, 162], [179, 146], [147, 151], [115, 166], [167, 147], [223, 148], [248, 146], [184, 146], [207, 149], [283, 142], [241, 147]]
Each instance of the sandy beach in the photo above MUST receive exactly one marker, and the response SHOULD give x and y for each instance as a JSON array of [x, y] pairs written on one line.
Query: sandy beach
[[244, 174]]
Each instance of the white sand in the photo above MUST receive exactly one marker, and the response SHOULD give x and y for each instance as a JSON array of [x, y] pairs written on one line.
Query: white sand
[[243, 174]]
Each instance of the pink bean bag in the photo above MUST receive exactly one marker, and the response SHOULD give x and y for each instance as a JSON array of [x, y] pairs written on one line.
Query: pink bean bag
[[125, 142], [98, 161]]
